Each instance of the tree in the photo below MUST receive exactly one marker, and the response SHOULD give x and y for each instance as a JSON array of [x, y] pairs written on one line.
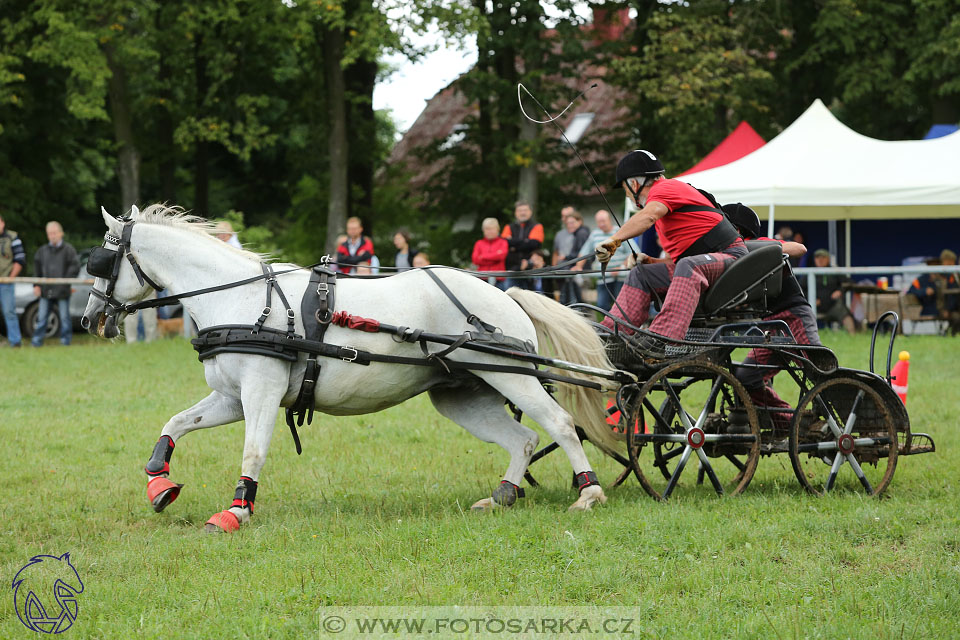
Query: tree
[[695, 79]]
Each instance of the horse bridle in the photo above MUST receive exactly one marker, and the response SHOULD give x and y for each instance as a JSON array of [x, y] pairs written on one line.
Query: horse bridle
[[105, 262]]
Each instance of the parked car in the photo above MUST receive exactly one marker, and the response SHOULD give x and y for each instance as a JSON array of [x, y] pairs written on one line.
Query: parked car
[[28, 304]]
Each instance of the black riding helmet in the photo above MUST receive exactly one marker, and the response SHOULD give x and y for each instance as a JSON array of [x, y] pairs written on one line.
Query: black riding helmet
[[637, 163], [744, 219]]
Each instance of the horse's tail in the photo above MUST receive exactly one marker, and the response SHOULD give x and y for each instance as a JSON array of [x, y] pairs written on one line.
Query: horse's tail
[[566, 335]]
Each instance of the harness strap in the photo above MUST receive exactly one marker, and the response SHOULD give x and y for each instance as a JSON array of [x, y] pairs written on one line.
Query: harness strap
[[317, 312], [721, 236], [272, 284], [471, 318], [125, 247], [273, 343]]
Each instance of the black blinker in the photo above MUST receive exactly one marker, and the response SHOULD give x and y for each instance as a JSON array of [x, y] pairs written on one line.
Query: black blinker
[[100, 262]]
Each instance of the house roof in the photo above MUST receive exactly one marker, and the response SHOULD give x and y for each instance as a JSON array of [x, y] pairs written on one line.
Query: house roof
[[441, 120], [443, 116]]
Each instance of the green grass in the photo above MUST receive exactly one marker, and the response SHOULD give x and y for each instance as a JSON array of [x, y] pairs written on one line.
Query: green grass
[[376, 512]]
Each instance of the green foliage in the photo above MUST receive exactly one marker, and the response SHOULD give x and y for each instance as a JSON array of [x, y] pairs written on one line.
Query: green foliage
[[698, 78]]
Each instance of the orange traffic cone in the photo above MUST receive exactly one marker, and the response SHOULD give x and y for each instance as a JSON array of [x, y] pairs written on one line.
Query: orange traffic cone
[[901, 375], [613, 419]]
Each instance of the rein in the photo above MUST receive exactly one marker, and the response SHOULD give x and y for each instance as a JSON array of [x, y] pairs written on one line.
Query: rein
[[123, 251]]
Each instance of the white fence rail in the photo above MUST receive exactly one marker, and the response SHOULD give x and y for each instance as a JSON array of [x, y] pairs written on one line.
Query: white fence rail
[[811, 274]]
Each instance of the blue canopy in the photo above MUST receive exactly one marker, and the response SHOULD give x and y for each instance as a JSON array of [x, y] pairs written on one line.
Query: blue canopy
[[940, 130]]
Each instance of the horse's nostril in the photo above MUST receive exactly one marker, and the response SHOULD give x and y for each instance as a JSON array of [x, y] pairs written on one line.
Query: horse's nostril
[[85, 323]]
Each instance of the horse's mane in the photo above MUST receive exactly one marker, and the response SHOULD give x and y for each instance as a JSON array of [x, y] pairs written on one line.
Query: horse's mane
[[177, 217]]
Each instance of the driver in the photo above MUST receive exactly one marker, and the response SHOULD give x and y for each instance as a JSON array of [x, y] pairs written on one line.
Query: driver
[[693, 231]]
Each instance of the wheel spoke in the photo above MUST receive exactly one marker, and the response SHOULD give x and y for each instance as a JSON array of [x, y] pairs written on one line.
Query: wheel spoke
[[677, 407], [733, 460], [828, 413], [676, 472], [834, 469], [857, 470], [852, 418], [706, 466], [657, 416]]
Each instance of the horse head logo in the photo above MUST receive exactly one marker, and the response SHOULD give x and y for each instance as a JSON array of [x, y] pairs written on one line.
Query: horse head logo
[[45, 593]]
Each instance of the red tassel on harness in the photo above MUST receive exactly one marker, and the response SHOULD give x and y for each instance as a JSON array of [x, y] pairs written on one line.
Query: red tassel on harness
[[344, 319]]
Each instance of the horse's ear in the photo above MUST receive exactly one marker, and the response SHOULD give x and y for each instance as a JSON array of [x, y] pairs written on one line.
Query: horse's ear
[[134, 211], [109, 220]]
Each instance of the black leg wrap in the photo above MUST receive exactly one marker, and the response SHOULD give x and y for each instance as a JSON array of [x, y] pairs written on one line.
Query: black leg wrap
[[159, 462], [246, 493], [507, 493], [585, 479]]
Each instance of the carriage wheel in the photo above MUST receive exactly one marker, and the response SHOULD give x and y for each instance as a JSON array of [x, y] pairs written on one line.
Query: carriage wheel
[[843, 437], [689, 407]]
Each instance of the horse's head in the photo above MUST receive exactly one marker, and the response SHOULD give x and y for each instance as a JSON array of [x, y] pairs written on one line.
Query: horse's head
[[119, 280]]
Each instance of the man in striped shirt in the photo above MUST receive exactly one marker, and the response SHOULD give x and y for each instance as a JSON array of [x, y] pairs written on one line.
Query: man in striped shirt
[[13, 259]]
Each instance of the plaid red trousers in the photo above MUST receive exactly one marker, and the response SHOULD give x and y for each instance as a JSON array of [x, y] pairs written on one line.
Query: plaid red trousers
[[682, 283], [759, 382]]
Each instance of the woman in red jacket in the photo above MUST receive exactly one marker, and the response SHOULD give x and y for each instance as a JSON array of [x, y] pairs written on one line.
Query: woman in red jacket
[[490, 251]]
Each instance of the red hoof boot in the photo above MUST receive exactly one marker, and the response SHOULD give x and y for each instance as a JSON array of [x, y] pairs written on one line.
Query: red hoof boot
[[161, 492], [223, 522]]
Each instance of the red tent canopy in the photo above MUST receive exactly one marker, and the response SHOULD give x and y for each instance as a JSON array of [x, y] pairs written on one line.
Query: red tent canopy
[[740, 142]]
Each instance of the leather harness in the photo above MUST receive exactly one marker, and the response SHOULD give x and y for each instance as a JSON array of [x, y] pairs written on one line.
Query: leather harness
[[317, 311]]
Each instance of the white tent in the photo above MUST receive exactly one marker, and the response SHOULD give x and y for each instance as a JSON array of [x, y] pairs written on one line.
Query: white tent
[[819, 169]]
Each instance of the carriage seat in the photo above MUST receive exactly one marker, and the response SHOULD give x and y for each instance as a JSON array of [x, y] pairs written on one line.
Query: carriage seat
[[751, 280]]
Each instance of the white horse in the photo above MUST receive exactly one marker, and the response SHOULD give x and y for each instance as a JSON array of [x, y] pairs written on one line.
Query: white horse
[[179, 253]]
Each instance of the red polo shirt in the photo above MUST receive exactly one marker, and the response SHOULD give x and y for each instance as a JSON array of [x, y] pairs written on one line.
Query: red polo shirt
[[677, 231]]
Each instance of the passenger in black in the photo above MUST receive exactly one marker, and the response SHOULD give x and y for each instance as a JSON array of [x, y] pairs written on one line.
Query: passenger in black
[[790, 306]]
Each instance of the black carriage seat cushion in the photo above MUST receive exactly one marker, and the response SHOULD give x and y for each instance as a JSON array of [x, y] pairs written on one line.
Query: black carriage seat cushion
[[749, 274]]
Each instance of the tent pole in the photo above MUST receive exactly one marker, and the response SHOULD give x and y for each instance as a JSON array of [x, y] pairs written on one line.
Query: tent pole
[[846, 242], [770, 222]]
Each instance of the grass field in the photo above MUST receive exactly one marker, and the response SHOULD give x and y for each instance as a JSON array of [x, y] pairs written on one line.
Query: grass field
[[376, 512]]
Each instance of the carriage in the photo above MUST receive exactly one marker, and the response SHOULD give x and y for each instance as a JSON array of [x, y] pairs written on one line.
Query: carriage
[[848, 428], [336, 354]]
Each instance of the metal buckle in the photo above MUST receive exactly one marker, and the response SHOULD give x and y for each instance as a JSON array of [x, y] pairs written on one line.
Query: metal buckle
[[291, 314], [323, 288], [355, 354], [266, 311]]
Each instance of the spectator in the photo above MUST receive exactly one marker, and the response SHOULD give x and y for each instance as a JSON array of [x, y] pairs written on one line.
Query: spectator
[[538, 260], [799, 261], [923, 290], [490, 252], [224, 231], [608, 288], [355, 249], [563, 241], [948, 297], [785, 234], [421, 260], [524, 236], [13, 260], [830, 294], [58, 259], [570, 286], [405, 255]]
